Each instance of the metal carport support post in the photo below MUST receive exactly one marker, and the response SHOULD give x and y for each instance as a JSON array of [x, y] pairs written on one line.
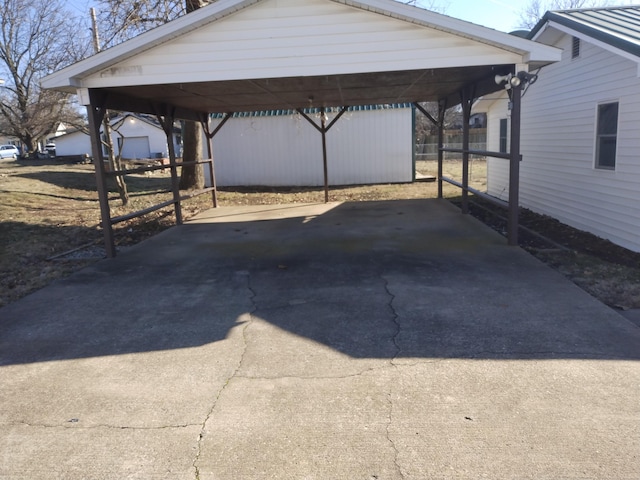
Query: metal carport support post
[[166, 120], [439, 123], [210, 134], [466, 102], [95, 116], [323, 129], [514, 166]]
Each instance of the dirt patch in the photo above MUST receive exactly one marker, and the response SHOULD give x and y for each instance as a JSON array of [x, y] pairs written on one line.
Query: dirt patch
[[50, 224], [607, 271]]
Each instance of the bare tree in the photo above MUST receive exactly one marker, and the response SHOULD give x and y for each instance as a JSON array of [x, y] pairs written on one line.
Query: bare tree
[[535, 9], [433, 5], [36, 38], [123, 19]]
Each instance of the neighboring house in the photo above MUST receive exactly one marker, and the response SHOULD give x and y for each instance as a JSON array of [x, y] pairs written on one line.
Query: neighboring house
[[368, 144], [136, 135], [580, 142]]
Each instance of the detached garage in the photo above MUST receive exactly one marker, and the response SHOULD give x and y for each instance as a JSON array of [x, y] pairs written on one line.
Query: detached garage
[[135, 135]]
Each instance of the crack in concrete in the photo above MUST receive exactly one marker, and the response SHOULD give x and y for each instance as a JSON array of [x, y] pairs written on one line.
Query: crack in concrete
[[76, 424], [315, 377], [254, 308], [396, 455], [395, 318]]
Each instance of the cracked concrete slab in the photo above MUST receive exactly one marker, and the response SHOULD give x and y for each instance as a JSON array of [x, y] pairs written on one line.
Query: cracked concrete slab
[[301, 428], [525, 419], [74, 452], [395, 340]]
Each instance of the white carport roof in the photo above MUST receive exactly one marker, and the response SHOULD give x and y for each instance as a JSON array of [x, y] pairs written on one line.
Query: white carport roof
[[245, 55]]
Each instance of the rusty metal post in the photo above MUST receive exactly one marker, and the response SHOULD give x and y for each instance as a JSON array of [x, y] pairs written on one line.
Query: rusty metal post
[[173, 167], [323, 126], [467, 102], [442, 108], [514, 166], [212, 173], [96, 115]]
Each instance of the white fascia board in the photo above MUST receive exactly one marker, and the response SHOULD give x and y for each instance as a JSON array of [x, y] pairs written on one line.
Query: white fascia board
[[531, 51], [69, 78], [582, 36]]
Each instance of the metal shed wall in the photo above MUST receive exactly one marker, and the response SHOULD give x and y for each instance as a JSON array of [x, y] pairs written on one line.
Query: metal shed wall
[[285, 150]]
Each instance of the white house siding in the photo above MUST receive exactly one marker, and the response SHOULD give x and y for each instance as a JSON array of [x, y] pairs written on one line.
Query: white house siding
[[362, 147], [283, 38], [558, 176], [71, 144], [497, 168]]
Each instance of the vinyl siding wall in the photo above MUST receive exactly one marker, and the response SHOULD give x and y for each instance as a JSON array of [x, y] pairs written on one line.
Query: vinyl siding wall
[[282, 38], [558, 174], [497, 168], [362, 147]]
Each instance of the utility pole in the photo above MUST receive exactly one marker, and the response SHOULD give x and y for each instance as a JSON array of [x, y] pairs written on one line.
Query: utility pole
[[94, 29]]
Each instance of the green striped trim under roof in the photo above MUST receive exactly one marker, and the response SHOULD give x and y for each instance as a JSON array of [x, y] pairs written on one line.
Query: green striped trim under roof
[[314, 111]]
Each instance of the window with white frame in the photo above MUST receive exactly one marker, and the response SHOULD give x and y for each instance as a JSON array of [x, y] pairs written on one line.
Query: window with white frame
[[607, 136]]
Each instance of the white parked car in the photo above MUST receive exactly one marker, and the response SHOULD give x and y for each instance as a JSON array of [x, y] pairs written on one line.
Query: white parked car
[[9, 151]]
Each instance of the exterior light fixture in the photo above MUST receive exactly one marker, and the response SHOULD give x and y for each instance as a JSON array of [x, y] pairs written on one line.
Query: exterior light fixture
[[503, 78], [516, 80]]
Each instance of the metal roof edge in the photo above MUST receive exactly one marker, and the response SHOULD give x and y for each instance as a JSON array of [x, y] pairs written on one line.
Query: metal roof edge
[[595, 33]]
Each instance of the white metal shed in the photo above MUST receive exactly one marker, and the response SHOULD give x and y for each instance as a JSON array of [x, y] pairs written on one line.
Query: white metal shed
[[370, 144]]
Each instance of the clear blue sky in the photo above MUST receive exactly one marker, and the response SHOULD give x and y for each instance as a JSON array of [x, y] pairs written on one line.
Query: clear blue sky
[[501, 15]]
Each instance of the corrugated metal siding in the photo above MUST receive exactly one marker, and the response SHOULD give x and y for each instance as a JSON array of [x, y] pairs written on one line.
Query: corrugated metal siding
[[558, 177], [362, 147], [276, 38]]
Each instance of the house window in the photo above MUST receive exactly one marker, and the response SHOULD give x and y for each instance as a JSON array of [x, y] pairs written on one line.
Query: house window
[[607, 136], [503, 135], [575, 47]]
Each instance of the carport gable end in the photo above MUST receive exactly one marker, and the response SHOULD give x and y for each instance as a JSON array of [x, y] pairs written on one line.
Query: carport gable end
[[253, 55]]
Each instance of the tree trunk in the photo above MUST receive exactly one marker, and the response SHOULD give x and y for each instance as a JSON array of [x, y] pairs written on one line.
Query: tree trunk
[[115, 163], [192, 5], [192, 176]]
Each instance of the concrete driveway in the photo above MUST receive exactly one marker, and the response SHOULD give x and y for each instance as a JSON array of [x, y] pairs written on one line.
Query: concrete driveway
[[382, 340]]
